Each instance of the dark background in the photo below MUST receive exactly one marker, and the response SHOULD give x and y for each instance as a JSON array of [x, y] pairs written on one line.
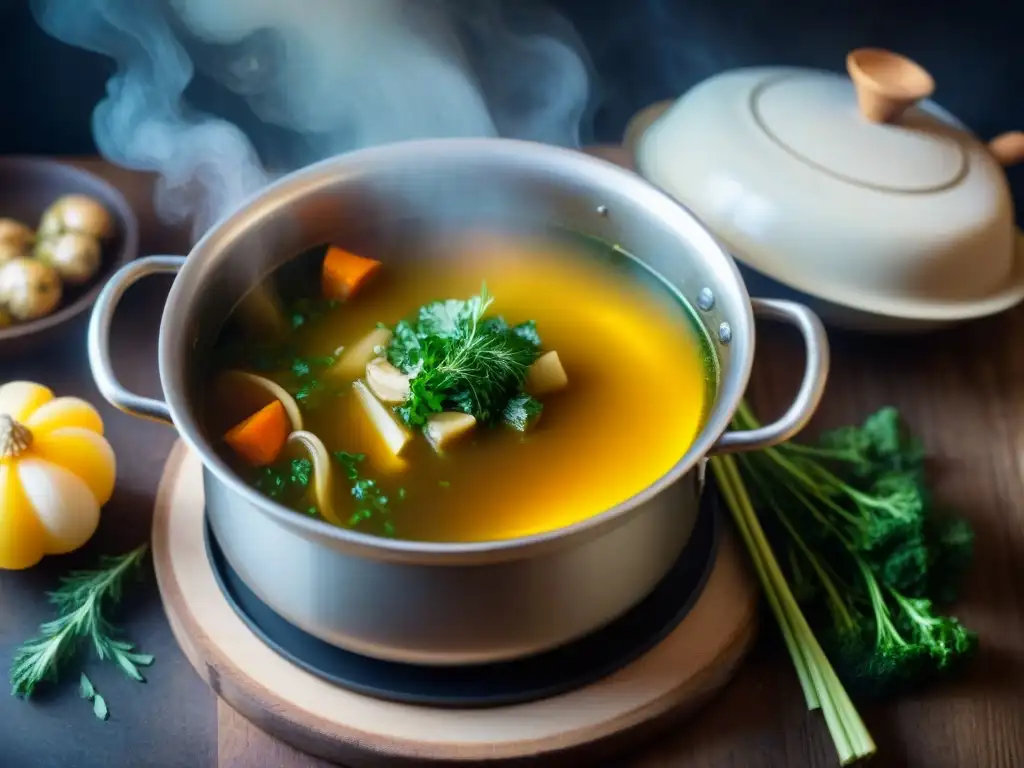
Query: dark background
[[643, 50]]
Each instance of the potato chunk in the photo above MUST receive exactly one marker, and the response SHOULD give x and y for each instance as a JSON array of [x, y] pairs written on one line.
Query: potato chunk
[[546, 375], [354, 359], [391, 432], [444, 429]]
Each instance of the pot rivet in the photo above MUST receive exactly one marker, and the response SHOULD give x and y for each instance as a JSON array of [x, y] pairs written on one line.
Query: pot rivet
[[602, 210], [705, 299], [724, 333]]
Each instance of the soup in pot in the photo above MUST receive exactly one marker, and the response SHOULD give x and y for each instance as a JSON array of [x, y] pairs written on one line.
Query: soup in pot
[[481, 388]]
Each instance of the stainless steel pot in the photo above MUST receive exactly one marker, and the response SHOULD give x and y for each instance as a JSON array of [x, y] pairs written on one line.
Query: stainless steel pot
[[452, 603]]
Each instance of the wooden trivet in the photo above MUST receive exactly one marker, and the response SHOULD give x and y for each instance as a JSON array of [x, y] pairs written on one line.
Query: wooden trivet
[[299, 708]]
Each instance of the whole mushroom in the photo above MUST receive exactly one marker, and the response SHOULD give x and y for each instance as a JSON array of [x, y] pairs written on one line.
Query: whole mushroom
[[76, 213], [75, 256], [15, 236], [29, 289]]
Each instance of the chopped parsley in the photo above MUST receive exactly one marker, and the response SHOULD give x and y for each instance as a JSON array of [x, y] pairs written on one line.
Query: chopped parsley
[[305, 386], [304, 311], [299, 374], [302, 367], [521, 411], [459, 360], [285, 480], [371, 500]]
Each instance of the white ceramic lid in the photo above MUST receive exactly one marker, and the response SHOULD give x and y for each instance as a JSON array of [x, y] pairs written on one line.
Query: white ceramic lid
[[848, 187]]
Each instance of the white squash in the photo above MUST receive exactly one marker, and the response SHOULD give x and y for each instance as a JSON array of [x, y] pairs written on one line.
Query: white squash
[[56, 471]]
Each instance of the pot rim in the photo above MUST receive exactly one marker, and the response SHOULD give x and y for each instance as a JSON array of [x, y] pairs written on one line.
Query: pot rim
[[362, 163]]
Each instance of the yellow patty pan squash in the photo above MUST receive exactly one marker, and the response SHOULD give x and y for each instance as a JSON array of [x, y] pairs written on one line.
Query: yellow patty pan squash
[[56, 471]]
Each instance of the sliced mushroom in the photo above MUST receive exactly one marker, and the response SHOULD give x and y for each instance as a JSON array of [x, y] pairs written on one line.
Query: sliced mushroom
[[389, 384], [444, 429], [323, 472], [546, 375], [389, 430], [234, 385], [354, 359]]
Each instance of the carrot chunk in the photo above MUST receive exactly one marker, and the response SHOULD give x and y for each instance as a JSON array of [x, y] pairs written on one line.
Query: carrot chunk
[[345, 273], [261, 437]]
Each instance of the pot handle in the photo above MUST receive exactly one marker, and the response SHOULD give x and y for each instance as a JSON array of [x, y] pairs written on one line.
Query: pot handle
[[99, 337], [811, 388]]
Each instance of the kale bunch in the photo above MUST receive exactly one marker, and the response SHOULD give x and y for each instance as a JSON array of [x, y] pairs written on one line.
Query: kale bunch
[[866, 552]]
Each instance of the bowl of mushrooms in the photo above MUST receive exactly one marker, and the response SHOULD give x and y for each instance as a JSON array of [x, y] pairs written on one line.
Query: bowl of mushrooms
[[63, 232]]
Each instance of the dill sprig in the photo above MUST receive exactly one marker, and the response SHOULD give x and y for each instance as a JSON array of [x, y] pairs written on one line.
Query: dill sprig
[[459, 360], [80, 602]]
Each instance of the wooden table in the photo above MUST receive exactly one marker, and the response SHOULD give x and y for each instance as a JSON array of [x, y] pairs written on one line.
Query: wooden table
[[959, 390]]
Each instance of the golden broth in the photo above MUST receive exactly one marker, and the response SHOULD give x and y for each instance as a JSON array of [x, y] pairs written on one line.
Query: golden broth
[[640, 377]]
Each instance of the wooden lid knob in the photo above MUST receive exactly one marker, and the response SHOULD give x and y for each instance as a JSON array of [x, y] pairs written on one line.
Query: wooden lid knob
[[887, 84], [1008, 148]]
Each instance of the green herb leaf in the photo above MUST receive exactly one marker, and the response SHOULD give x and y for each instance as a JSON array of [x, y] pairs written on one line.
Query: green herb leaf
[[460, 361], [869, 556], [949, 542], [351, 462], [99, 707], [305, 311], [308, 366], [528, 332], [80, 602], [85, 687], [299, 374], [124, 662], [308, 390], [287, 479], [371, 500], [451, 319], [521, 411], [87, 691]]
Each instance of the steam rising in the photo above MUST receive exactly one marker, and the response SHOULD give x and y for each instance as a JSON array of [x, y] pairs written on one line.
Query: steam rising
[[338, 74]]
